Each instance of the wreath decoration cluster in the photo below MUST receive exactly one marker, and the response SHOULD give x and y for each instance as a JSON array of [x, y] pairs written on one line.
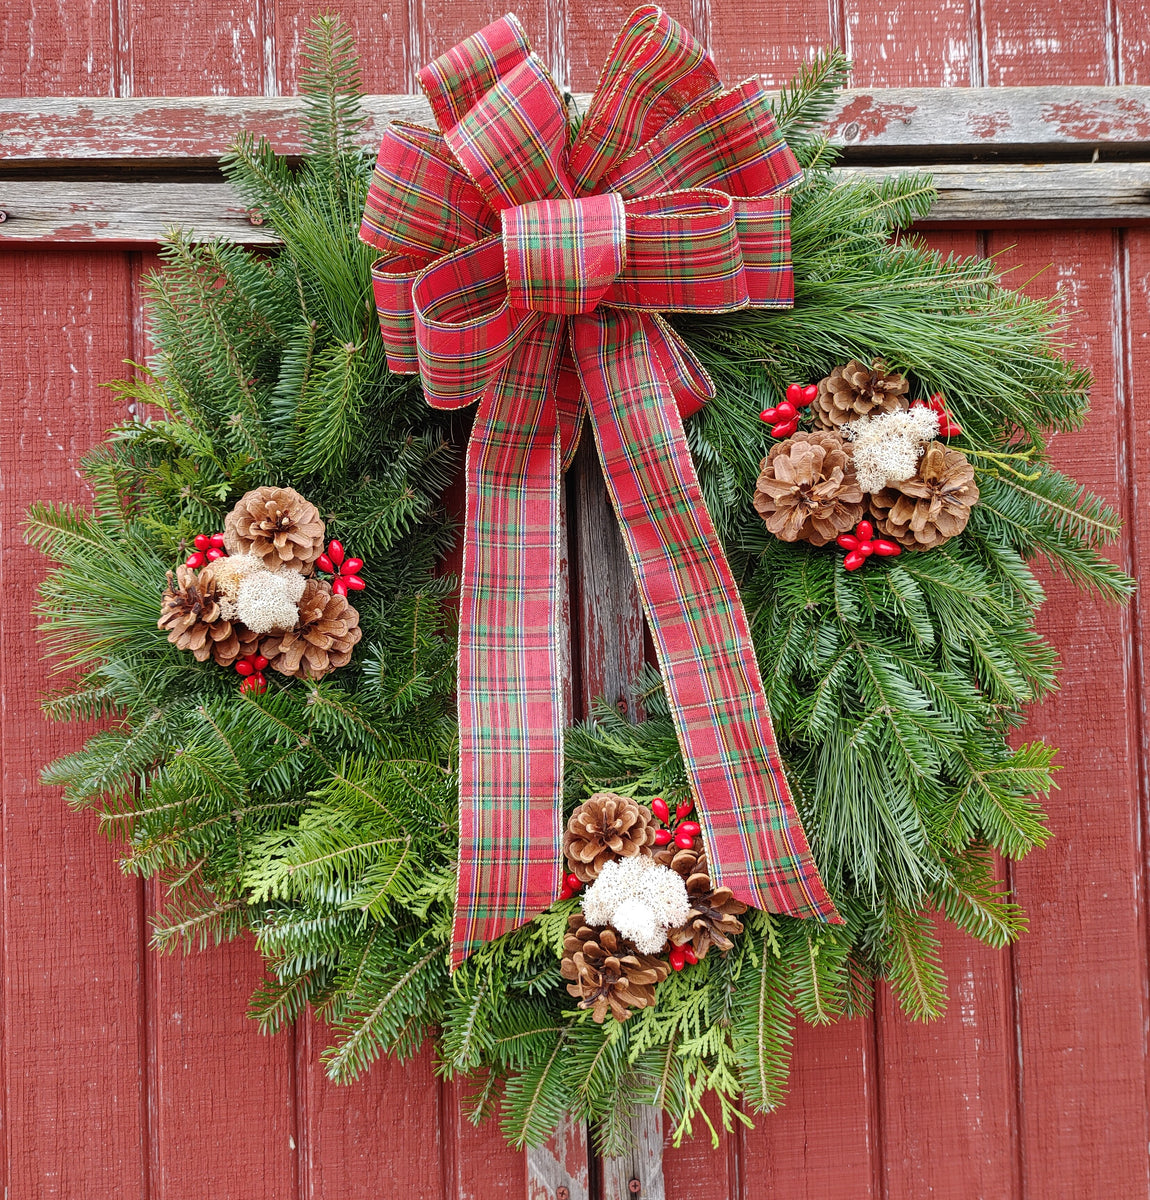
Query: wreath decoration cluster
[[314, 804]]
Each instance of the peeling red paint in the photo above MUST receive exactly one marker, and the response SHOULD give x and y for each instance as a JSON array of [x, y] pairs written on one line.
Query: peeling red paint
[[987, 126], [870, 117], [1120, 119]]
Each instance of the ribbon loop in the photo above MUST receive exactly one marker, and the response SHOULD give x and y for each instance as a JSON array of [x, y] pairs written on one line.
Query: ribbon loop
[[562, 255]]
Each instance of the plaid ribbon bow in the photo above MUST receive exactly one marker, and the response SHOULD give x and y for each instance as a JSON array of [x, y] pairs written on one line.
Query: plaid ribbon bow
[[525, 265]]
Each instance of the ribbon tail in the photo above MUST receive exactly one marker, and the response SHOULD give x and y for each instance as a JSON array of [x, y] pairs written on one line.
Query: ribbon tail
[[510, 687], [754, 839]]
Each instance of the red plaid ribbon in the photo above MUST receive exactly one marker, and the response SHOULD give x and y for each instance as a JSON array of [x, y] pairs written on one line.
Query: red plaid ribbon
[[524, 268]]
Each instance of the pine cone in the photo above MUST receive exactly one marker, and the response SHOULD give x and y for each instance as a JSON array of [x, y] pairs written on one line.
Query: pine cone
[[323, 638], [603, 828], [276, 525], [807, 490], [715, 912], [608, 973], [686, 862], [855, 390], [198, 618], [931, 507]]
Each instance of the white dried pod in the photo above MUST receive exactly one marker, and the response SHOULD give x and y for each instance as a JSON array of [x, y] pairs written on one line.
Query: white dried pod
[[639, 898], [887, 447]]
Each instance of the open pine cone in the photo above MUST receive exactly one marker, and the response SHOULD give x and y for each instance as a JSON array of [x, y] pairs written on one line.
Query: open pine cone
[[327, 630], [276, 525], [932, 506], [603, 828], [856, 390], [807, 489], [608, 974], [714, 918], [193, 613]]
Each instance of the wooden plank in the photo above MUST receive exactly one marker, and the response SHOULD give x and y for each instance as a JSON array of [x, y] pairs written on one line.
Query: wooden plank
[[560, 1169], [1131, 42], [57, 49], [960, 1070], [72, 1003], [771, 40], [1034, 41], [381, 32], [1081, 971], [904, 43], [639, 1173], [82, 211], [896, 121]]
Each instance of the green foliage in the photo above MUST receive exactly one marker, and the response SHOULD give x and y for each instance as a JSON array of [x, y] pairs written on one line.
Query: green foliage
[[322, 817]]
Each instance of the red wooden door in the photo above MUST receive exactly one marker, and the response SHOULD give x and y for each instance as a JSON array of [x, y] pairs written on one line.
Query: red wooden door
[[127, 1075]]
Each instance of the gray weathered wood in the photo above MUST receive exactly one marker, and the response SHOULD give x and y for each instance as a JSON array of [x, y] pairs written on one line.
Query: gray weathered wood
[[643, 1165], [907, 120], [131, 211], [559, 1169]]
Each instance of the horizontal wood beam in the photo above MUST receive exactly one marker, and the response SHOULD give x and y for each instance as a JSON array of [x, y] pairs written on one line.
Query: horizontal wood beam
[[70, 211], [895, 122]]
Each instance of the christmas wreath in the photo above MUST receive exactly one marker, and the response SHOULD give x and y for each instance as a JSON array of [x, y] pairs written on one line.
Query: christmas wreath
[[256, 608]]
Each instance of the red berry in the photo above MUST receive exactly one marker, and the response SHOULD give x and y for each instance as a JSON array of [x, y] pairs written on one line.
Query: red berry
[[351, 566], [684, 840], [677, 958], [325, 564], [786, 411], [217, 540], [573, 882], [195, 560], [353, 582], [683, 809], [691, 827], [768, 415], [866, 549], [565, 893], [254, 683], [335, 551], [810, 392], [660, 809], [245, 667], [259, 662], [662, 837], [785, 429], [339, 586], [689, 954], [853, 560], [865, 531], [848, 541], [885, 548], [215, 553], [202, 541], [795, 393]]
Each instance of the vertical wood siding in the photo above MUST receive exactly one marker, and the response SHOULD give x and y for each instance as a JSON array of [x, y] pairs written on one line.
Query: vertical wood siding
[[127, 1075]]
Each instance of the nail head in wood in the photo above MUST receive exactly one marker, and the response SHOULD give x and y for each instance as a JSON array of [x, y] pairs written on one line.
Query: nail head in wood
[[562, 1193], [634, 1187]]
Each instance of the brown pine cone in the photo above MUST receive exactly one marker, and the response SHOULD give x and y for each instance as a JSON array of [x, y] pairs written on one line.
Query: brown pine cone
[[327, 630], [198, 618], [603, 828], [807, 490], [931, 507], [714, 918], [685, 862], [278, 526], [856, 390], [608, 974]]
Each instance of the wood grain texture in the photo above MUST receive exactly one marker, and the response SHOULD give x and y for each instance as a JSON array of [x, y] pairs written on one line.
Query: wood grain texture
[[638, 1173], [1012, 123], [85, 211], [772, 40], [381, 33], [1080, 972], [1034, 41], [561, 1164], [904, 43], [57, 48], [72, 1054]]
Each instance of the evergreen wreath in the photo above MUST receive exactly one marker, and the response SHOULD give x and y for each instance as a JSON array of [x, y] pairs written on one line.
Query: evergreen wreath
[[316, 807]]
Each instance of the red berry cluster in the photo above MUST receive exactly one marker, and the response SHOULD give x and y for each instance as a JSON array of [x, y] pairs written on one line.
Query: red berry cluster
[[346, 570], [251, 667], [683, 835], [785, 417], [947, 425], [208, 547], [861, 544], [571, 885]]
